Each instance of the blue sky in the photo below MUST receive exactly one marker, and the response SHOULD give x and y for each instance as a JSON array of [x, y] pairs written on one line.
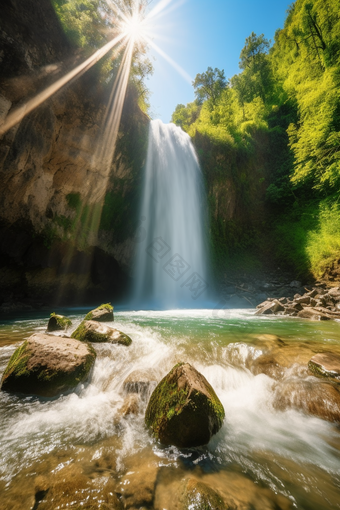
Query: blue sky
[[203, 33]]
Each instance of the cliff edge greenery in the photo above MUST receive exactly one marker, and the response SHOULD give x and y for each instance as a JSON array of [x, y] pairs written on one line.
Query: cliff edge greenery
[[269, 138]]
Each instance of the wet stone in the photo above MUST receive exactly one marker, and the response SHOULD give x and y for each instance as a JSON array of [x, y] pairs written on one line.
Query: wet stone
[[93, 331], [140, 381], [325, 365], [104, 313], [58, 323], [184, 410], [312, 397], [47, 365]]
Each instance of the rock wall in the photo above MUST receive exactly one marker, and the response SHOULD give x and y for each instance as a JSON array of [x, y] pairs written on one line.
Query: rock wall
[[66, 232]]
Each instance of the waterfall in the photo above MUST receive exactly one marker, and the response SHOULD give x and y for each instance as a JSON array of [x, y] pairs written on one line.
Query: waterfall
[[171, 258]]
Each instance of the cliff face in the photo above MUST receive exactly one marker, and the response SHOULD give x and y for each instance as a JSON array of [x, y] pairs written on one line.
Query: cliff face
[[66, 230], [236, 182]]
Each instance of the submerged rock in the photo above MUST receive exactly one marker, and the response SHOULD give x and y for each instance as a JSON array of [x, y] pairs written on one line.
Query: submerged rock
[[104, 313], [130, 406], [326, 364], [197, 495], [140, 382], [184, 410], [47, 365], [137, 487], [93, 331], [58, 322]]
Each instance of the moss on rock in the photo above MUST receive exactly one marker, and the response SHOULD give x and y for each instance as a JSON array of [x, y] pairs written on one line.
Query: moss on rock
[[103, 313], [58, 322], [184, 410], [93, 331], [47, 366]]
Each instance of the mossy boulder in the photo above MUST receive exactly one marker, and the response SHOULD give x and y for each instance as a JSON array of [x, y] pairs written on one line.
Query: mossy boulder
[[184, 410], [93, 331], [46, 365], [58, 322], [196, 495], [104, 313]]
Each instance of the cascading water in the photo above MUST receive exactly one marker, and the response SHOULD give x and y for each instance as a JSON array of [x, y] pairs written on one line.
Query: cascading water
[[171, 259]]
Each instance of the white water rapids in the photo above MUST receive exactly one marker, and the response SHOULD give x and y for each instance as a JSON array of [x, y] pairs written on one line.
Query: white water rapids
[[288, 452], [171, 260]]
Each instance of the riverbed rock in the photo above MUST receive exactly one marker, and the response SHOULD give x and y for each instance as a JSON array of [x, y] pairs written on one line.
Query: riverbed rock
[[130, 406], [216, 490], [184, 410], [58, 322], [104, 313], [46, 365], [315, 304], [196, 495], [137, 487], [313, 314], [93, 331], [270, 307], [326, 364], [140, 381], [70, 487], [317, 398]]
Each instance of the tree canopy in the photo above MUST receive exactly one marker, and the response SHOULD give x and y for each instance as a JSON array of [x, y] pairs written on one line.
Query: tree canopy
[[209, 85]]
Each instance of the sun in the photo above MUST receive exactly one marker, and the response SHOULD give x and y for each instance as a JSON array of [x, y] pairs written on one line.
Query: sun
[[134, 28]]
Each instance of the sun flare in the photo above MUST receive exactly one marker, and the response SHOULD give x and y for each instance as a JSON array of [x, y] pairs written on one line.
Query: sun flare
[[134, 28]]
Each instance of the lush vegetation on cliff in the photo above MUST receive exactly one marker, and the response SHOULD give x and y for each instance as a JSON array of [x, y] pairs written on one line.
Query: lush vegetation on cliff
[[271, 136]]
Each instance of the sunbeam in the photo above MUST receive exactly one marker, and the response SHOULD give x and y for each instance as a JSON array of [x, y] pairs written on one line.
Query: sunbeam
[[174, 64], [19, 113]]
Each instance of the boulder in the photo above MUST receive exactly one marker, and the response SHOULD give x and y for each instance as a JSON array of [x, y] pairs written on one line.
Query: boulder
[[104, 313], [326, 364], [319, 399], [303, 300], [93, 331], [313, 314], [58, 322], [140, 382], [289, 310], [334, 294], [184, 410], [270, 307], [47, 365]]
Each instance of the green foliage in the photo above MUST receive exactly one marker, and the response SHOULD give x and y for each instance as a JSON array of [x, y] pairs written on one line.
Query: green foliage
[[83, 21], [308, 237], [17, 365], [61, 321], [306, 59], [274, 137], [209, 85], [90, 24]]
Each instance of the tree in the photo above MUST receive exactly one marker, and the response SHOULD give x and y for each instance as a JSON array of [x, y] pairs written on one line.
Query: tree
[[256, 78], [253, 54], [209, 85], [184, 116]]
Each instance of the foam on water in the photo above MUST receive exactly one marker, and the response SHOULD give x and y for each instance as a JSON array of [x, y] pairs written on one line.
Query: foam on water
[[252, 433]]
